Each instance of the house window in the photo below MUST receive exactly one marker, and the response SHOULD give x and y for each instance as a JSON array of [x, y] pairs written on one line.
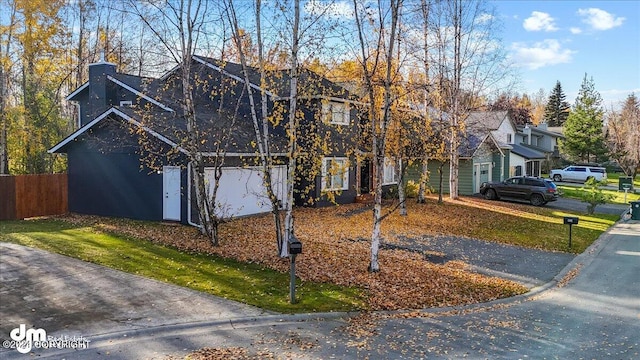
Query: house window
[[336, 113], [508, 138], [389, 176], [335, 174], [126, 103]]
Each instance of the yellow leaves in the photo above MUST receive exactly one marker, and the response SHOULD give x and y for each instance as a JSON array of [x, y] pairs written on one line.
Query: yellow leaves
[[337, 248]]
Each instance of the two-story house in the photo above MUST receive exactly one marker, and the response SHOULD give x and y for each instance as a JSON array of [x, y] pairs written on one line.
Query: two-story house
[[543, 141], [129, 157]]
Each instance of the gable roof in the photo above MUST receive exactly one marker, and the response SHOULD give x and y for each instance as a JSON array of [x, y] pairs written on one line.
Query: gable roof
[[169, 128], [536, 129], [60, 147], [527, 152], [278, 87], [139, 93], [215, 121], [77, 91], [487, 120], [131, 83]]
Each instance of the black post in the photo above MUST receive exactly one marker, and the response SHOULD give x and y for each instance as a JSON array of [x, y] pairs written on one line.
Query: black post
[[570, 220], [292, 283]]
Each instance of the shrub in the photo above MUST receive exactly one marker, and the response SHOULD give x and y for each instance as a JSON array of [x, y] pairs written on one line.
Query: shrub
[[411, 190], [592, 195]]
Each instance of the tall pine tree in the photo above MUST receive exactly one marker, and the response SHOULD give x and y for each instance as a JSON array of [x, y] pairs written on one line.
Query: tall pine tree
[[584, 137], [557, 110]]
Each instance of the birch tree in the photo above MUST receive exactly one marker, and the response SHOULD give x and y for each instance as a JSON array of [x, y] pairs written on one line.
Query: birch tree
[[179, 26], [277, 61], [469, 63], [376, 54], [262, 138]]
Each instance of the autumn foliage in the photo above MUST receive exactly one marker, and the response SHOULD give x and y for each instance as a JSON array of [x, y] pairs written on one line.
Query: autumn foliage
[[336, 251]]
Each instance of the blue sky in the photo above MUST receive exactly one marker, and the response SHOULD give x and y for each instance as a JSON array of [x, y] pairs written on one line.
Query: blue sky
[[553, 41]]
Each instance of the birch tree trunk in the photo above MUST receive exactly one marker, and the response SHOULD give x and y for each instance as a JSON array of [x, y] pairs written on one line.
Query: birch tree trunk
[[262, 139], [424, 177], [267, 161], [424, 174], [454, 126], [293, 102], [379, 124], [402, 196]]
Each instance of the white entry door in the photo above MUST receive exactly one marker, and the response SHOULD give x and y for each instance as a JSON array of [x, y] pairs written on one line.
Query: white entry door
[[171, 193], [481, 173]]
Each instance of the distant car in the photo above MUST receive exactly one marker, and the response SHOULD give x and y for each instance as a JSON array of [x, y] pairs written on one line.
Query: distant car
[[579, 173], [537, 190]]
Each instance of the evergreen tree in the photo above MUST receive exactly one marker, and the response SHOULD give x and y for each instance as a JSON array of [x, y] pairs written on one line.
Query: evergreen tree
[[557, 109], [584, 137]]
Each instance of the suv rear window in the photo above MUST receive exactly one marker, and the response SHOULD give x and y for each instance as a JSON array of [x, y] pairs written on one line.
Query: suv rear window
[[598, 170], [533, 182]]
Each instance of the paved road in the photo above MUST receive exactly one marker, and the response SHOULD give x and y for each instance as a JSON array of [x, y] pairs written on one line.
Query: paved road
[[580, 207], [595, 315]]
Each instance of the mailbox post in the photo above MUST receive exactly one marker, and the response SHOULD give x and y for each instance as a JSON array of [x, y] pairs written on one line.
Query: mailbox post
[[626, 188], [569, 220], [295, 248]]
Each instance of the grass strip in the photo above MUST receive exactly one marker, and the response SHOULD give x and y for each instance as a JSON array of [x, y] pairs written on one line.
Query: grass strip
[[247, 283]]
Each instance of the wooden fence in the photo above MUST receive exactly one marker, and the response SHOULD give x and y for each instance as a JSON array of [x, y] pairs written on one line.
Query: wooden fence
[[25, 196]]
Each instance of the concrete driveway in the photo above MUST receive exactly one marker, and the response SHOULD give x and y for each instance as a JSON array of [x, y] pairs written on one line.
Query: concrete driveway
[[595, 314]]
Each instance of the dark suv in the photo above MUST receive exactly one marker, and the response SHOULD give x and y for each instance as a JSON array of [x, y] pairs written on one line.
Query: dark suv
[[537, 190]]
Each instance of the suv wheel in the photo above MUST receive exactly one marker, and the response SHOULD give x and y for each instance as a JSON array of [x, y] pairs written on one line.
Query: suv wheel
[[557, 177], [490, 195], [537, 200]]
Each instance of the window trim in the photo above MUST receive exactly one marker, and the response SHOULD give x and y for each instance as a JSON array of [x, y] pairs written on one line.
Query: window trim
[[389, 164], [327, 176], [330, 110]]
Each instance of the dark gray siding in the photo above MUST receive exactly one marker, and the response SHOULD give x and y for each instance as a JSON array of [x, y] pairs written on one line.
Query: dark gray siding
[[325, 140], [108, 179]]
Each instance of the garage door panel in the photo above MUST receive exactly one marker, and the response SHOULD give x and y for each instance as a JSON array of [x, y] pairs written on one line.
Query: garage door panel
[[241, 191]]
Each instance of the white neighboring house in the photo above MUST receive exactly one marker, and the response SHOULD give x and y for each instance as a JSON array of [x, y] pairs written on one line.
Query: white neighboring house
[[535, 145], [529, 146]]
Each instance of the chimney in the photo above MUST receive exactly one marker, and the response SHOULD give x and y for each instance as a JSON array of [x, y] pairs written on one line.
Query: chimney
[[527, 132], [99, 94]]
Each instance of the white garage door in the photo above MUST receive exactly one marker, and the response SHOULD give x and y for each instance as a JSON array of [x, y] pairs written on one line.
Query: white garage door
[[242, 191]]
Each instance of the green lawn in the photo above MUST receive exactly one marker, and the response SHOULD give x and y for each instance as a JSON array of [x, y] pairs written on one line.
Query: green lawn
[[619, 196], [612, 178], [547, 231], [247, 283]]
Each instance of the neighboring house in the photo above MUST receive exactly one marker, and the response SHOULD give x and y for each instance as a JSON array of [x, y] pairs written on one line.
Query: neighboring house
[[541, 145], [484, 154], [128, 158]]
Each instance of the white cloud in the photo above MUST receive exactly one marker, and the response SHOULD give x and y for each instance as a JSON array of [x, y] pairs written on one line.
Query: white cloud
[[599, 19], [539, 21], [545, 53], [337, 9], [484, 18], [575, 30]]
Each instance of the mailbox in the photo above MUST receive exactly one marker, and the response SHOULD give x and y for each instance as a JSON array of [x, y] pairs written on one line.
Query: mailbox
[[295, 247], [570, 220]]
